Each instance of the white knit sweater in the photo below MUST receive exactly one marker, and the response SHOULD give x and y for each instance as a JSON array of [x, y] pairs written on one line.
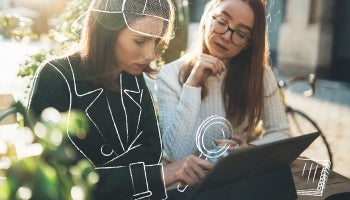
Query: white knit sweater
[[181, 112]]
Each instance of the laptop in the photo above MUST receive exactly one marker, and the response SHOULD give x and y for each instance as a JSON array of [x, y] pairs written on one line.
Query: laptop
[[255, 160]]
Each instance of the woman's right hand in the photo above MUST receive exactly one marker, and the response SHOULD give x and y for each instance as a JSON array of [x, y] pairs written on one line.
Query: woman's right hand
[[188, 171], [205, 66]]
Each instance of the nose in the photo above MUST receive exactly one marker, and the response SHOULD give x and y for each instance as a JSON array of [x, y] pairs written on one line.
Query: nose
[[150, 53], [227, 35]]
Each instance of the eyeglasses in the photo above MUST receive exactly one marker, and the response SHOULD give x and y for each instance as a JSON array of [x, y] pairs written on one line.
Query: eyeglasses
[[238, 37]]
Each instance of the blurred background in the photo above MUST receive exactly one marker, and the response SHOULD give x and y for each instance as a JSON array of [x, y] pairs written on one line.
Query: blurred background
[[305, 36]]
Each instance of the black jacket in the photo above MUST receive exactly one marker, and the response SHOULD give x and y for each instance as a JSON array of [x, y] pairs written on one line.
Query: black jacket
[[123, 142]]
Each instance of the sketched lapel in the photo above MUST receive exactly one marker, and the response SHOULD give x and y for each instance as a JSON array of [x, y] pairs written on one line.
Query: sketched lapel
[[118, 142], [132, 99], [108, 144]]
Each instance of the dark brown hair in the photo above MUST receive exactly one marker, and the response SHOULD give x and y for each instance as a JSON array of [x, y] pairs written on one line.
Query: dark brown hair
[[99, 35], [243, 88]]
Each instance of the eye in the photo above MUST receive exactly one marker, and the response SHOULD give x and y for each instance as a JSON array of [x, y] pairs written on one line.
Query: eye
[[139, 42], [241, 34], [221, 21]]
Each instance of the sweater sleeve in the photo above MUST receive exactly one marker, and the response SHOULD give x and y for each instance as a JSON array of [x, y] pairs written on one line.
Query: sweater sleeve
[[178, 110], [274, 116]]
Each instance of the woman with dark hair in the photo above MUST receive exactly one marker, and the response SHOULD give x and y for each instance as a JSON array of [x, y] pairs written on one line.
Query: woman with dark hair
[[225, 74], [104, 79]]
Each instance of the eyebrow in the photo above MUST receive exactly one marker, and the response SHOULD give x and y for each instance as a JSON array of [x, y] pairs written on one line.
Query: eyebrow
[[240, 24], [145, 37], [142, 36]]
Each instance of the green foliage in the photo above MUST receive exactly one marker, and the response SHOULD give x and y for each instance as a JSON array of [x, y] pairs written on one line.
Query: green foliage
[[178, 45], [31, 64], [49, 168], [55, 172], [65, 29], [62, 32], [16, 27]]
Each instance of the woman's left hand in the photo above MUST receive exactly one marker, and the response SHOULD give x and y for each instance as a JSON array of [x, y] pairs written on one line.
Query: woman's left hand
[[240, 142]]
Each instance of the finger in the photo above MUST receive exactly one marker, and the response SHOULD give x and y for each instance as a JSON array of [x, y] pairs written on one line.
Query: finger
[[238, 146], [213, 68], [184, 178], [197, 166], [244, 144], [210, 64], [183, 184], [219, 64], [213, 63], [222, 66], [206, 65], [238, 139], [223, 142], [200, 172], [204, 164], [232, 148], [187, 174], [191, 169], [194, 178]]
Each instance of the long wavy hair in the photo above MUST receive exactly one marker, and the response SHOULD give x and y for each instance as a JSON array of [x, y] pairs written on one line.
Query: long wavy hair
[[243, 86], [99, 34]]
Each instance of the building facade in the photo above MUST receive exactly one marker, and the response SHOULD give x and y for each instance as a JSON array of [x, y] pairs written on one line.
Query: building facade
[[305, 36]]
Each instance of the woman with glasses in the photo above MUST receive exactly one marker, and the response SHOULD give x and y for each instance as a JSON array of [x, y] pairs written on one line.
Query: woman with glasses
[[226, 74]]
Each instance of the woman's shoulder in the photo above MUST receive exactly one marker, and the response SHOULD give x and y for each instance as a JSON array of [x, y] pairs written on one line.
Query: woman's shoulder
[[269, 74], [58, 64], [270, 80], [61, 65]]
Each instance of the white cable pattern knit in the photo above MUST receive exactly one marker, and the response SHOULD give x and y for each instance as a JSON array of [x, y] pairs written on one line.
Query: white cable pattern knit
[[181, 111]]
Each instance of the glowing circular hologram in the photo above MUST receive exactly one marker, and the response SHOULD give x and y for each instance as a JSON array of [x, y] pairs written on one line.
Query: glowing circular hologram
[[226, 127]]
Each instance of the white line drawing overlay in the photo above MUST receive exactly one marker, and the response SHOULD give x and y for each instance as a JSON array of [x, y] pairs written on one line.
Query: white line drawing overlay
[[211, 154], [200, 135], [141, 190], [315, 175]]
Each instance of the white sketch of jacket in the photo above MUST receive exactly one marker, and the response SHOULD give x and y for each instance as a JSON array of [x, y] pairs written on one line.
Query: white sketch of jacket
[[123, 142]]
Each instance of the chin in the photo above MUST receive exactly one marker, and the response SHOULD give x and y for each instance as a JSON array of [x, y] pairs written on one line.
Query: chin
[[135, 73], [217, 54]]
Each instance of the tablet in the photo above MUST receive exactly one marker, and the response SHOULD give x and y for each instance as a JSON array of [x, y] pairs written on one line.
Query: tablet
[[254, 160]]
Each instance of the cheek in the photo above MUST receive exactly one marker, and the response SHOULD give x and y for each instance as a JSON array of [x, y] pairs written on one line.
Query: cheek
[[207, 35], [209, 40], [235, 51], [126, 52]]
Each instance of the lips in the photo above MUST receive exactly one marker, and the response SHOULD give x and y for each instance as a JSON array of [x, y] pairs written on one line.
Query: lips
[[220, 46], [141, 65]]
